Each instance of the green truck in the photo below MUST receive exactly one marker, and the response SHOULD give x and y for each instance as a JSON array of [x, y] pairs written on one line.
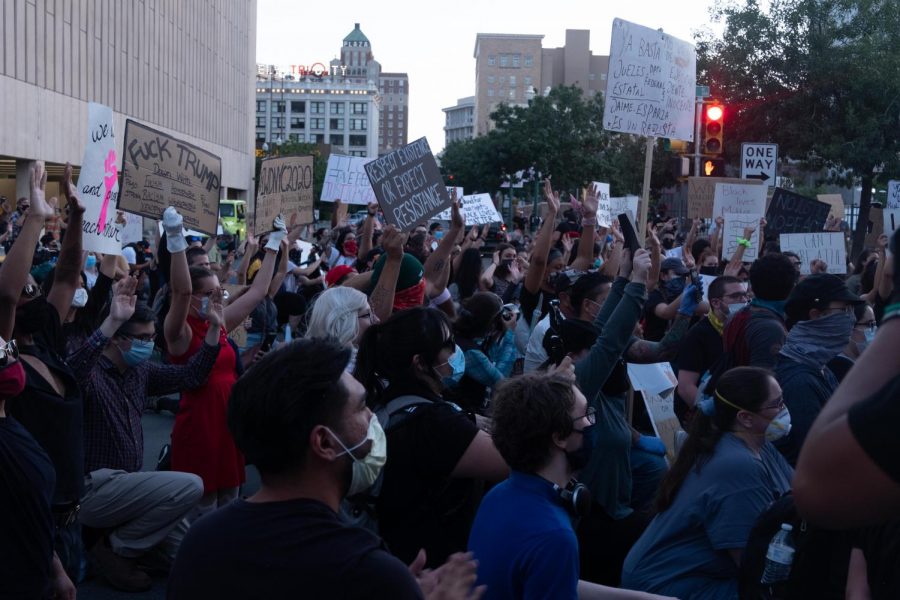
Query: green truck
[[232, 214]]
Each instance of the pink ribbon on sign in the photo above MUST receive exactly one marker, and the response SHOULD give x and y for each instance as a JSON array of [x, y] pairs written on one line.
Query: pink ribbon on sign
[[109, 180]]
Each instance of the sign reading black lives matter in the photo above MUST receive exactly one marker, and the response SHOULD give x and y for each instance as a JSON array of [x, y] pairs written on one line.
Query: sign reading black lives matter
[[651, 85], [161, 171], [285, 187], [408, 185]]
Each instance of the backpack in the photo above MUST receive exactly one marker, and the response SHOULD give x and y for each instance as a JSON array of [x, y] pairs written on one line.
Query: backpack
[[359, 510], [820, 562]]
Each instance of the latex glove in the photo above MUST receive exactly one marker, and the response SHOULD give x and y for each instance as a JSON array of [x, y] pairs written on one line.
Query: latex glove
[[279, 232], [651, 445], [173, 224], [690, 298]]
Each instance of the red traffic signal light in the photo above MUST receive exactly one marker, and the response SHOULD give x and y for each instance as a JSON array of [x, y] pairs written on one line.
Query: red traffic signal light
[[711, 139]]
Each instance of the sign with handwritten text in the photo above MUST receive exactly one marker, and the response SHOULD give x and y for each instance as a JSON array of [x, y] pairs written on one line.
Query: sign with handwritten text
[[346, 180], [286, 188], [702, 193], [624, 204], [893, 194], [161, 171], [739, 199], [735, 223], [604, 207], [790, 212], [826, 246], [651, 86], [408, 185], [98, 184]]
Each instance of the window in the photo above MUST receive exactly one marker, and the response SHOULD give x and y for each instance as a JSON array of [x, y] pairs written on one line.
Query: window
[[260, 121], [512, 94], [504, 60], [491, 78], [358, 125], [296, 137], [492, 60], [515, 60], [278, 106], [277, 122], [358, 108], [298, 122], [298, 106], [357, 140], [529, 60], [527, 80], [512, 81], [317, 138], [357, 153], [260, 136], [602, 76], [490, 92], [336, 139], [317, 108], [337, 108], [592, 76], [336, 124], [317, 123], [260, 106]]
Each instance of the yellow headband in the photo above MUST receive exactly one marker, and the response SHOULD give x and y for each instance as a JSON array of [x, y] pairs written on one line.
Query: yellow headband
[[735, 406]]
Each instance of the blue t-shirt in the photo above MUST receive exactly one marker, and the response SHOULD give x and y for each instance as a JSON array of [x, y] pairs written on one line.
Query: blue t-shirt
[[523, 541], [684, 550]]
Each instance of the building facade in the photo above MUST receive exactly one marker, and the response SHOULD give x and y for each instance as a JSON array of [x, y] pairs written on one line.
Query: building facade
[[186, 68], [394, 123], [459, 121], [510, 68]]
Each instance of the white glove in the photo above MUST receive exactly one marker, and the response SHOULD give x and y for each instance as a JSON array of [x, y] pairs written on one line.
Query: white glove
[[279, 233], [173, 224]]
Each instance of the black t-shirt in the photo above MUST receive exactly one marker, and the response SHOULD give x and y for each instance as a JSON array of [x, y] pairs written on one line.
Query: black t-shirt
[[27, 480], [840, 365], [654, 327], [881, 547], [700, 348], [528, 303], [420, 506], [873, 423], [290, 549]]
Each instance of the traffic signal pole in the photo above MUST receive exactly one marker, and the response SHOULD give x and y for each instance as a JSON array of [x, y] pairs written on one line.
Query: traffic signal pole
[[698, 114]]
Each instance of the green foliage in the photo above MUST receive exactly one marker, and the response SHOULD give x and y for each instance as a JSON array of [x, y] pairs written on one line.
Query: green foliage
[[289, 148]]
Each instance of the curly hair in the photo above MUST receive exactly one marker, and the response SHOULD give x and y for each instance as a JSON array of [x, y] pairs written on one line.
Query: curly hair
[[527, 411]]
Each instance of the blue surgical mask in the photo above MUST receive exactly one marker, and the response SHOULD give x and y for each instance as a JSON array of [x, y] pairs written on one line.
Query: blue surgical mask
[[91, 262], [438, 234], [141, 350], [733, 308], [457, 362], [870, 335], [598, 263]]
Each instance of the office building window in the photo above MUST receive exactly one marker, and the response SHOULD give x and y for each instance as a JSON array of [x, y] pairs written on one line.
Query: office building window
[[512, 81], [336, 139], [317, 138], [260, 121], [527, 80], [317, 108], [337, 108], [357, 124], [298, 106], [278, 106], [602, 76], [277, 122], [492, 60], [504, 60], [359, 108], [357, 153], [260, 106], [336, 124], [490, 92], [490, 80], [297, 137], [298, 122], [529, 60], [515, 60], [317, 123], [260, 136], [357, 140]]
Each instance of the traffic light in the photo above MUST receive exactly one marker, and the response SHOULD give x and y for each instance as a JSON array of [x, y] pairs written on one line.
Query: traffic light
[[712, 123], [712, 167]]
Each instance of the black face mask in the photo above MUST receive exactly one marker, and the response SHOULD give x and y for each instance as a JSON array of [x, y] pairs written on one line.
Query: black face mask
[[33, 316], [617, 382], [668, 243], [708, 270]]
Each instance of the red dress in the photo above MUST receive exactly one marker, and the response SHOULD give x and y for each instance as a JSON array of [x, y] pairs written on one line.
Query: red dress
[[201, 442]]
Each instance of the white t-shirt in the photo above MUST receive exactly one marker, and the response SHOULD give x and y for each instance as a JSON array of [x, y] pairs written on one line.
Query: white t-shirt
[[535, 355], [129, 255]]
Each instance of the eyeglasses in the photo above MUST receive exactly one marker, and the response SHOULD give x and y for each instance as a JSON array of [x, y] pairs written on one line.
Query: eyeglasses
[[867, 326], [147, 337], [9, 352], [778, 404], [737, 296], [836, 310], [204, 294], [590, 415]]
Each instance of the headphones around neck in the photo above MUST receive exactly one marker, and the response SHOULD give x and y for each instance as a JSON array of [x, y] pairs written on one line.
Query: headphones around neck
[[576, 497]]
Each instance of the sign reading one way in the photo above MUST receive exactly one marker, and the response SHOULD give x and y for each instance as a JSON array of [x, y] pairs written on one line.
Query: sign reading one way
[[758, 161]]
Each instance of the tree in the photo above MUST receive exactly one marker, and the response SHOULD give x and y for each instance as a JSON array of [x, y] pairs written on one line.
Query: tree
[[290, 148], [819, 77]]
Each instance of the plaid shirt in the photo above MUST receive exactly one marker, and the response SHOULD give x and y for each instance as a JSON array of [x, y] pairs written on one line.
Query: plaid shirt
[[114, 401]]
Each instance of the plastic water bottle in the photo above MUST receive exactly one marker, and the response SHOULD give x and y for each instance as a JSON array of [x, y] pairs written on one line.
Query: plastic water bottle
[[779, 557]]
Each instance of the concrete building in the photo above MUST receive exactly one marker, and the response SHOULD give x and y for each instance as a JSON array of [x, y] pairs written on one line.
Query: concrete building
[[186, 68], [394, 122], [508, 67], [459, 121]]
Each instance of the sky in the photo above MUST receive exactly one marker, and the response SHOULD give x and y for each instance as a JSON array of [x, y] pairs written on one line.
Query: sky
[[434, 42]]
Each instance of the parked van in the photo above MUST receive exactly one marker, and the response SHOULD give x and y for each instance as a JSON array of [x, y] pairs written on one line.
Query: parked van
[[232, 213]]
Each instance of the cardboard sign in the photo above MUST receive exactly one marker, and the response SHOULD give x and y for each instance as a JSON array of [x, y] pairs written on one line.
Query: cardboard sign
[[890, 220], [346, 180], [661, 410], [286, 188], [893, 194], [702, 193], [826, 246], [650, 89], [734, 229], [835, 201], [162, 171], [408, 185], [875, 226], [605, 214], [793, 213], [739, 199], [98, 184]]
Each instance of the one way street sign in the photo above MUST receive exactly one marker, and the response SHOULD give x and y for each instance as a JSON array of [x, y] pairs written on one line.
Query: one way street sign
[[758, 161]]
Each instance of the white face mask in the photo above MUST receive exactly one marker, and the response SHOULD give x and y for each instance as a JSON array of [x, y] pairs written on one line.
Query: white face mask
[[733, 308], [367, 469], [780, 426], [79, 300]]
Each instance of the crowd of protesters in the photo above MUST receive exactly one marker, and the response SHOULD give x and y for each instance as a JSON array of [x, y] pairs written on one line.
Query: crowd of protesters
[[434, 418]]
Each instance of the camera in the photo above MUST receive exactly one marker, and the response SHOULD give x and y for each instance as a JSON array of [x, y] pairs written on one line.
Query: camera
[[508, 312]]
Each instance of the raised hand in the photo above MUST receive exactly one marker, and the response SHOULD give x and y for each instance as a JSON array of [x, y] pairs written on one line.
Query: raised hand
[[392, 242], [279, 232], [39, 206], [457, 221], [70, 192], [748, 231], [551, 197], [372, 208], [641, 267], [567, 243], [215, 312], [122, 306], [591, 202]]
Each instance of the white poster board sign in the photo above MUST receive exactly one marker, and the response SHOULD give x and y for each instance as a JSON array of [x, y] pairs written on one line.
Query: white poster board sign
[[98, 183], [893, 194], [604, 207], [651, 86], [734, 229], [706, 280], [445, 216], [654, 377], [891, 218], [346, 180], [661, 410], [133, 230], [826, 246], [740, 199], [477, 209]]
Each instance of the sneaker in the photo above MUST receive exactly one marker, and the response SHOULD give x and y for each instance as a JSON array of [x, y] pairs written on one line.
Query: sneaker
[[120, 572]]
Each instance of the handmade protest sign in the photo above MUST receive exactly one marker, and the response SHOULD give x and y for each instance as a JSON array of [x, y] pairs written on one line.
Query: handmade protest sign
[[702, 193], [893, 194], [651, 86], [890, 220], [133, 229], [346, 180], [792, 213], [408, 185], [286, 188], [735, 223], [826, 246], [875, 226], [445, 215], [656, 382], [98, 184], [625, 204], [161, 171], [835, 203], [739, 199], [604, 207]]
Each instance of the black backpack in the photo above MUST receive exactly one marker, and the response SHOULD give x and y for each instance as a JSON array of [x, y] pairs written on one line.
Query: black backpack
[[820, 562]]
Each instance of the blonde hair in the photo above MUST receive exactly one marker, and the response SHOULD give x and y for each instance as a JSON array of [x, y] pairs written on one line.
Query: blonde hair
[[335, 314]]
